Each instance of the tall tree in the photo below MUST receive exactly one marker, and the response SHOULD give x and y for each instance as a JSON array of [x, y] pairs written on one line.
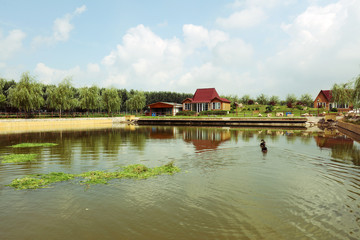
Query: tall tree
[[343, 93], [27, 94], [274, 100], [136, 101], [262, 99], [291, 98], [245, 99], [61, 97], [356, 93], [111, 99], [89, 98], [307, 99]]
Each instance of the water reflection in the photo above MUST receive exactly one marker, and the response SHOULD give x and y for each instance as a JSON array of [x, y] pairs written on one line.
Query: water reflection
[[206, 138], [342, 147], [308, 187]]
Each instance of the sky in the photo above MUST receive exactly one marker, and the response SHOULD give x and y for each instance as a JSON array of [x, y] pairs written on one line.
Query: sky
[[239, 47]]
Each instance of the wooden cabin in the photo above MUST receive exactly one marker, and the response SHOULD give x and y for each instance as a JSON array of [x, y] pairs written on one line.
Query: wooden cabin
[[164, 108], [206, 99]]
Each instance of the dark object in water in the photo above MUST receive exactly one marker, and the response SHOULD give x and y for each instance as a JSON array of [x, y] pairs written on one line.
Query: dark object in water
[[263, 147]]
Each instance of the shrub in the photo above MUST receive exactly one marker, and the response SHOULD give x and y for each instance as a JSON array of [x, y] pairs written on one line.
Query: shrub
[[300, 107], [333, 110], [250, 102], [269, 108], [186, 113], [289, 105]]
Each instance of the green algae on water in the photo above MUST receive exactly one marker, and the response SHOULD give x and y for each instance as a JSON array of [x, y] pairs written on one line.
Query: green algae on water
[[19, 158], [27, 145], [40, 180], [136, 171]]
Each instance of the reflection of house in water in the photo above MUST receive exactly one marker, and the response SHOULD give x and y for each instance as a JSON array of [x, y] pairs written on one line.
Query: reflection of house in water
[[331, 138], [205, 138], [162, 133]]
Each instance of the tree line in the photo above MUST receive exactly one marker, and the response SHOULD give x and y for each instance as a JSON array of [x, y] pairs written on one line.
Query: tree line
[[28, 95]]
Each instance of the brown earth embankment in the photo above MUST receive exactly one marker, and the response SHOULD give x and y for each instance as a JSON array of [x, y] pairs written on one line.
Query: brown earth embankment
[[39, 125]]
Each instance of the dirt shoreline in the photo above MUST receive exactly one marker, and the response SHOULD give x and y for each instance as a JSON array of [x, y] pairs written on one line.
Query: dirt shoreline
[[40, 125]]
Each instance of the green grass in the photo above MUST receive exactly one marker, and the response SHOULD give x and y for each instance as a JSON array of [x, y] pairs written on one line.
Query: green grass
[[19, 158], [27, 145], [136, 171]]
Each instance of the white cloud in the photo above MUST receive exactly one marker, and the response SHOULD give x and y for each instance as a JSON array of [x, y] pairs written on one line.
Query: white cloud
[[61, 29], [198, 36], [49, 75], [11, 43], [320, 51], [144, 58], [246, 18], [93, 67], [233, 53]]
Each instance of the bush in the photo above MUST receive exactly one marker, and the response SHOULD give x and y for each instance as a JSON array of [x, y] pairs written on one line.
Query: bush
[[186, 113], [333, 110], [250, 102], [269, 109], [216, 112], [289, 105], [300, 107]]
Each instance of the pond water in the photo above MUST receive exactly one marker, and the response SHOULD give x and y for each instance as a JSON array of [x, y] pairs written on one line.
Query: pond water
[[307, 186]]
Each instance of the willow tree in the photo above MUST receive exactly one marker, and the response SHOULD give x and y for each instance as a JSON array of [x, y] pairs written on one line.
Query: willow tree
[[262, 99], [136, 101], [343, 93], [2, 96], [27, 94], [89, 98], [307, 99], [356, 93], [111, 100], [61, 97]]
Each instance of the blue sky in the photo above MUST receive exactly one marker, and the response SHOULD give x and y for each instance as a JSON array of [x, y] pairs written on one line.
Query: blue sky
[[274, 47]]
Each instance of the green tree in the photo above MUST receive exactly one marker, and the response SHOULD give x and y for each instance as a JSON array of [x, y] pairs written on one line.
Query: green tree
[[62, 96], [291, 98], [245, 99], [343, 93], [356, 93], [136, 101], [307, 99], [262, 99], [111, 99], [89, 98], [2, 96], [27, 94], [274, 100]]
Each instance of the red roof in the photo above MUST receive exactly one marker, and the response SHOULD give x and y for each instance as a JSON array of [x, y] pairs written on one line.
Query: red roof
[[206, 95], [327, 94]]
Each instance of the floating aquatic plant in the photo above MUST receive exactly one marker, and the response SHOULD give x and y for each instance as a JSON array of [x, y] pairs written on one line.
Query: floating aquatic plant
[[18, 158], [26, 145], [137, 171], [40, 180]]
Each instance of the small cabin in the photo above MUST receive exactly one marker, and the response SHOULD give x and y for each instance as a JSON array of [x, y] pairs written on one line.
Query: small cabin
[[164, 108]]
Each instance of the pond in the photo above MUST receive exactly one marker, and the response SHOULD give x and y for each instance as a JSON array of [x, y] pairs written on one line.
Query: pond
[[307, 186]]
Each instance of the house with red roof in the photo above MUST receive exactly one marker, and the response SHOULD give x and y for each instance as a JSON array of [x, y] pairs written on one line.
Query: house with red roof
[[324, 100], [206, 99]]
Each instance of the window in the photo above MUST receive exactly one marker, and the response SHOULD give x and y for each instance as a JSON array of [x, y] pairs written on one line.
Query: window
[[187, 106], [216, 105]]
